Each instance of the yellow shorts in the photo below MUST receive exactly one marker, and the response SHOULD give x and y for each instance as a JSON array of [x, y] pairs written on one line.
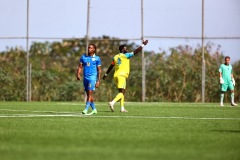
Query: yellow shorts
[[120, 81]]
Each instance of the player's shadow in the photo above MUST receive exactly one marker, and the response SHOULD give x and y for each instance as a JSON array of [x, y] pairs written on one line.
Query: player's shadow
[[104, 111], [227, 131]]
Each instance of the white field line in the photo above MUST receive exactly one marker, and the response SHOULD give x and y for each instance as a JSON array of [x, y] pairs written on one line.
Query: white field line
[[74, 114], [137, 117], [14, 110]]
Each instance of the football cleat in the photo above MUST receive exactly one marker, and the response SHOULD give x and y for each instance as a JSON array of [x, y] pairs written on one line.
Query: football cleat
[[111, 105], [93, 112], [84, 111], [124, 111], [221, 105], [233, 104]]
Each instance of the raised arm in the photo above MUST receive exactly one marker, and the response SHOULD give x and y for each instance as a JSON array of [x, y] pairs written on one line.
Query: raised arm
[[140, 47]]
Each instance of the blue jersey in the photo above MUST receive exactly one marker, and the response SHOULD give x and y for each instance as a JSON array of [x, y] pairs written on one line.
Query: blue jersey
[[90, 64]]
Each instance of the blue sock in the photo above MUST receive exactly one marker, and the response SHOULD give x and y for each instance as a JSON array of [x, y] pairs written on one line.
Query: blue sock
[[87, 105], [93, 105]]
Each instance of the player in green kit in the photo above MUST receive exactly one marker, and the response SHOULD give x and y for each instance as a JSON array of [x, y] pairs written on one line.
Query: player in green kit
[[226, 80]]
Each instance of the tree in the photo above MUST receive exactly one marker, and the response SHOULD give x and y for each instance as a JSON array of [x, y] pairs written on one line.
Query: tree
[[171, 78]]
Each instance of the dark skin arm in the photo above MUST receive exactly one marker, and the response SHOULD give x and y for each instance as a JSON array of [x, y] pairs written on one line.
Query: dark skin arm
[[79, 70], [140, 47], [108, 70], [99, 76]]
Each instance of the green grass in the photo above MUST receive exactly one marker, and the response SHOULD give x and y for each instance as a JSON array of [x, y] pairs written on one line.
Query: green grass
[[167, 131]]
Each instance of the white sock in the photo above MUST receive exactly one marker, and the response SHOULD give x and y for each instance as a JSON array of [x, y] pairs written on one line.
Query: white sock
[[113, 102], [122, 108]]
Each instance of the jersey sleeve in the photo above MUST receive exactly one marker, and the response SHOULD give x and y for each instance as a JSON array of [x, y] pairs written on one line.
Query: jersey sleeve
[[129, 55], [81, 60], [113, 63], [220, 68], [99, 62]]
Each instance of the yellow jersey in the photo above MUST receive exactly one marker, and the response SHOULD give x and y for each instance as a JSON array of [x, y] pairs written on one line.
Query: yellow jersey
[[122, 64]]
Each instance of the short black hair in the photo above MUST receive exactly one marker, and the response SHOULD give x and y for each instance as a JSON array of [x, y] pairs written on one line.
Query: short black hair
[[121, 47], [227, 57]]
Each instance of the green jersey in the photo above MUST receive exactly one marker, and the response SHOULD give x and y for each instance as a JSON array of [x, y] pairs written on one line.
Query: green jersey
[[226, 71]]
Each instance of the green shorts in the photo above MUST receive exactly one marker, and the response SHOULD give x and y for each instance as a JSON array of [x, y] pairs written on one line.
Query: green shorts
[[226, 86]]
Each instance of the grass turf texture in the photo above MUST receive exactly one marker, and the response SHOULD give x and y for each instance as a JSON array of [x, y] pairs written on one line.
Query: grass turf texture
[[57, 130]]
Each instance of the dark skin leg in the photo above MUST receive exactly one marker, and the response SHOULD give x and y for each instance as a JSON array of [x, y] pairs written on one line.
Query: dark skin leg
[[121, 90], [230, 91]]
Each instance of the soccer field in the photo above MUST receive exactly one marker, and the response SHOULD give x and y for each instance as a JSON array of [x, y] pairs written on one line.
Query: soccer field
[[167, 131]]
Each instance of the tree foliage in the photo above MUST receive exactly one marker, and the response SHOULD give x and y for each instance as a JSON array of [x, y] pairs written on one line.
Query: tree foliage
[[174, 77]]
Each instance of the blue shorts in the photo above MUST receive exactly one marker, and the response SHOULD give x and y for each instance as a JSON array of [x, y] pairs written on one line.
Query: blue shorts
[[89, 84]]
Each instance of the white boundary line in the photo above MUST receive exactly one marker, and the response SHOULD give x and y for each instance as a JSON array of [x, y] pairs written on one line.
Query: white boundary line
[[14, 110], [72, 114], [80, 115]]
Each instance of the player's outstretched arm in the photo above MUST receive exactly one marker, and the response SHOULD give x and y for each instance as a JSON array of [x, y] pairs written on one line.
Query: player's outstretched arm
[[140, 47], [108, 70]]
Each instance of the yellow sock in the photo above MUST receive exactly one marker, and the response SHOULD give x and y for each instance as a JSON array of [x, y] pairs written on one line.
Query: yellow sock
[[122, 101], [119, 96]]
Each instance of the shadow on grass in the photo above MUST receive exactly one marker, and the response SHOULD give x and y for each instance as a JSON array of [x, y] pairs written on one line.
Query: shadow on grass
[[227, 131], [105, 111]]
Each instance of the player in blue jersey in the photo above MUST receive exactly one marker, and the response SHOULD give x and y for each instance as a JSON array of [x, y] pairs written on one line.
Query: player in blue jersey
[[226, 80], [90, 64]]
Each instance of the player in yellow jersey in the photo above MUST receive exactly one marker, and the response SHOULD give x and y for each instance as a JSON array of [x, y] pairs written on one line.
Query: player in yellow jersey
[[121, 61]]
